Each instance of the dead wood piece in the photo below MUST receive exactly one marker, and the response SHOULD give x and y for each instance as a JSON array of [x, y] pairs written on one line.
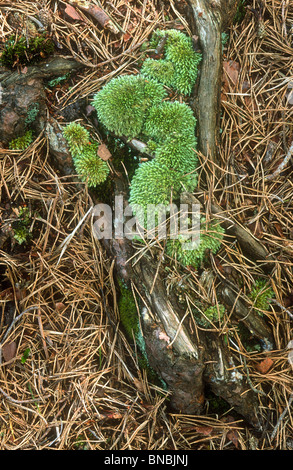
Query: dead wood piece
[[58, 146], [54, 66], [22, 92], [228, 381], [183, 375], [256, 324], [209, 19], [98, 14]]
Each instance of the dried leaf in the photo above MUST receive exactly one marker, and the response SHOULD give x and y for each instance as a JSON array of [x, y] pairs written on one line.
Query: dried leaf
[[233, 437], [9, 351], [72, 13], [60, 306], [205, 430], [109, 414], [231, 69], [138, 384], [126, 37], [264, 366], [279, 229], [103, 152]]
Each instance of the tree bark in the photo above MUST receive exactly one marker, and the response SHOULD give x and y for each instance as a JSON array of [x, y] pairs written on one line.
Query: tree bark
[[209, 18]]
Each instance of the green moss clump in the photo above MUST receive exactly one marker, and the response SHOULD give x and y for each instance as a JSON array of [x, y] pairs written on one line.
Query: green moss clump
[[21, 143], [77, 137], [123, 103], [160, 70], [89, 166], [154, 184], [212, 315], [179, 154], [18, 52], [172, 127], [179, 52], [261, 294], [128, 312], [21, 227], [170, 118], [182, 250], [134, 106]]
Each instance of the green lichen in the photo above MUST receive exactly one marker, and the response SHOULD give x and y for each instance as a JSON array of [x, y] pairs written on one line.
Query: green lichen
[[21, 143], [130, 322], [56, 81], [32, 114], [128, 312], [19, 51], [89, 166], [178, 154]]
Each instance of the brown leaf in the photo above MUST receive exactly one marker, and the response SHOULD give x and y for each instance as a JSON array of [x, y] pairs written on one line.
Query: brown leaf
[[9, 351], [138, 384], [233, 436], [205, 430], [72, 13], [60, 306], [279, 229], [126, 37], [104, 152], [264, 366], [109, 414], [231, 69]]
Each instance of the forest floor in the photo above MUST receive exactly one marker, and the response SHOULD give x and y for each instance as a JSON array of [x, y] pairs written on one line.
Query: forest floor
[[68, 378]]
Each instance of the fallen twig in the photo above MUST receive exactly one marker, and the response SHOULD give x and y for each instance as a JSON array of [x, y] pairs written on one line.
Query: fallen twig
[[282, 165]]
